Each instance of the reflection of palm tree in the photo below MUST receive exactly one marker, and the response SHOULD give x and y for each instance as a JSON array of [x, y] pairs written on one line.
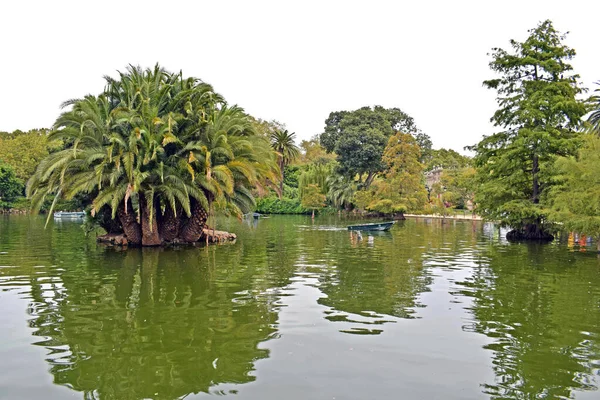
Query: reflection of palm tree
[[152, 324], [155, 329]]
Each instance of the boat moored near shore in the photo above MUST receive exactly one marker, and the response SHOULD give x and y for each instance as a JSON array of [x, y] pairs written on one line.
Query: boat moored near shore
[[377, 226], [69, 215]]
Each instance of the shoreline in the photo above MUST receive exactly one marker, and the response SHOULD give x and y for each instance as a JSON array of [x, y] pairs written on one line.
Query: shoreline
[[463, 217]]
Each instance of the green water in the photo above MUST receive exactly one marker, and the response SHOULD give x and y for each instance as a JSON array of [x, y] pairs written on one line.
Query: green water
[[296, 310]]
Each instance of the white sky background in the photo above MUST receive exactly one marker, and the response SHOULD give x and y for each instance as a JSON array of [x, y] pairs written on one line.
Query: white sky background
[[290, 61]]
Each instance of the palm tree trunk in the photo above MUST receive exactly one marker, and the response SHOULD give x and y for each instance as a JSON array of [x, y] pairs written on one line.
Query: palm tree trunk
[[150, 235], [131, 228], [110, 225], [169, 226], [282, 168], [192, 230]]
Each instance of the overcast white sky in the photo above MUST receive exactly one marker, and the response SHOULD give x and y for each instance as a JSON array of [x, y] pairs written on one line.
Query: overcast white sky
[[290, 61]]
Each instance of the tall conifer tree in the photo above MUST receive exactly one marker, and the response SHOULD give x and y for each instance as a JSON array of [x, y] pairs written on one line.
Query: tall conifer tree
[[539, 115]]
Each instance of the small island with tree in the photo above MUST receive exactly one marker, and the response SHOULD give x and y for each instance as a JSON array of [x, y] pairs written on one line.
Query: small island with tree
[[154, 155]]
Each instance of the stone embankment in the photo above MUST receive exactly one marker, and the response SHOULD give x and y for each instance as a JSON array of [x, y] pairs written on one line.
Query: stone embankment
[[13, 211], [465, 217], [209, 235]]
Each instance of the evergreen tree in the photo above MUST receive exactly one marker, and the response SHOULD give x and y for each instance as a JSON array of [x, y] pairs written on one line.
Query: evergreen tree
[[539, 114]]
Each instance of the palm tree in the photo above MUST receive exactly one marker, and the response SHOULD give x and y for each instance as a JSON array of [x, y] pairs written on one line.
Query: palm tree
[[283, 143], [594, 118], [166, 145], [341, 191]]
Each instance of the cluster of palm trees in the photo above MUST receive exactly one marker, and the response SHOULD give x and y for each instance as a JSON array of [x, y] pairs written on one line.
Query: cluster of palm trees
[[155, 154]]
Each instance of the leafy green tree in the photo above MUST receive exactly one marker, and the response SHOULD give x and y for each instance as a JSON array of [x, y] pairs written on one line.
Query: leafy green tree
[[282, 142], [404, 173], [364, 197], [23, 151], [313, 152], [401, 187], [425, 146], [159, 142], [315, 174], [460, 186], [446, 159], [575, 200], [266, 128], [539, 114], [359, 138], [312, 198], [10, 186]]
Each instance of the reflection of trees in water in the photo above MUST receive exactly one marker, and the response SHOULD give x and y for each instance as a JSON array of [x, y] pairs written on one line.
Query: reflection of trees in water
[[539, 305], [173, 322], [157, 323], [380, 274]]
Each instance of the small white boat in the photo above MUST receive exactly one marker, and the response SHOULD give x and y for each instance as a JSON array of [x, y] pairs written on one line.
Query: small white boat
[[69, 215]]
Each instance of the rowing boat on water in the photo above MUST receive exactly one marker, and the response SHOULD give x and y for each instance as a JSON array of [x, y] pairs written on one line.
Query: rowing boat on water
[[377, 226]]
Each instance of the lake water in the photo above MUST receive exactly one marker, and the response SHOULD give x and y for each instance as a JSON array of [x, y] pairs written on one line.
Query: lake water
[[298, 310]]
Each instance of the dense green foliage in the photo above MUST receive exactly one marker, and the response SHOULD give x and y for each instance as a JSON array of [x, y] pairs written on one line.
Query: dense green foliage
[[275, 205], [458, 187], [575, 199], [446, 159], [315, 174], [313, 152], [312, 198], [11, 187], [539, 114], [401, 187], [23, 151], [292, 175]]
